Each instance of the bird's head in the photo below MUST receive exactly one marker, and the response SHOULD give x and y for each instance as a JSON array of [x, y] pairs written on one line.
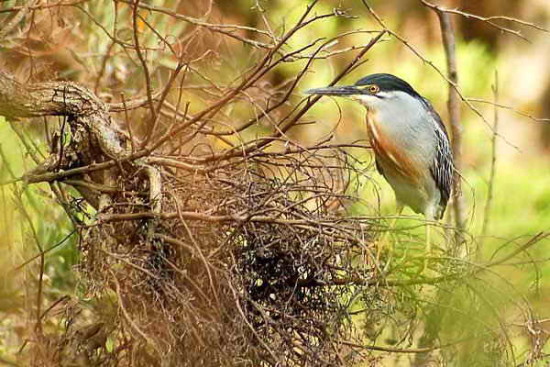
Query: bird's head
[[374, 91]]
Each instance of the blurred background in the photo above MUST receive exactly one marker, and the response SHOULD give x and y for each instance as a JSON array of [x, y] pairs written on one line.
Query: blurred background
[[71, 43]]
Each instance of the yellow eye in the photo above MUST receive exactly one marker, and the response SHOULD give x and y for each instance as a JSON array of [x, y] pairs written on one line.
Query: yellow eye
[[373, 89]]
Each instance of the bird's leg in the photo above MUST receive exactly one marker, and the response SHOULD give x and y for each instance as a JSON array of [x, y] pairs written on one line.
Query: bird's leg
[[428, 247], [384, 239]]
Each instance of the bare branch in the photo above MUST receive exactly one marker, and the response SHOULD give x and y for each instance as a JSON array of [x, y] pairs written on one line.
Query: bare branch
[[489, 20]]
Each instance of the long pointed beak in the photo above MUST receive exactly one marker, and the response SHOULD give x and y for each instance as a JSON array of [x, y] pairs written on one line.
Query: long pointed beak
[[348, 90]]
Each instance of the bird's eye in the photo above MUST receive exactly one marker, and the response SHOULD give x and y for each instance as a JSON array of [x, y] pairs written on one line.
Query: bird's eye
[[374, 89]]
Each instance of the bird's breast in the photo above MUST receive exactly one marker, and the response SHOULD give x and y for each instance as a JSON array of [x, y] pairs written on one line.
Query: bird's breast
[[394, 157]]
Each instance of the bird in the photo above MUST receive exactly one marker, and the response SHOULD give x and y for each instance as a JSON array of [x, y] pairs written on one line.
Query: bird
[[411, 146]]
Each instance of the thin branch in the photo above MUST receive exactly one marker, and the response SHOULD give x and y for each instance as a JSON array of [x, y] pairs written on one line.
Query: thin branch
[[43, 6], [492, 169], [489, 20], [514, 110], [449, 45], [147, 75], [388, 349], [225, 29]]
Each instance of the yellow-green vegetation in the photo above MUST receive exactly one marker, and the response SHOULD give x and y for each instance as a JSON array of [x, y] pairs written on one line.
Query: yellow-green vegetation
[[493, 310]]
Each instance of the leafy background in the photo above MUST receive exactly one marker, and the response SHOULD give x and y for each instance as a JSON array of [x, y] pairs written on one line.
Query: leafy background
[[71, 47]]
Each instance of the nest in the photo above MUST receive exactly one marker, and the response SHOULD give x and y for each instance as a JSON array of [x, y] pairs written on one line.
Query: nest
[[239, 268]]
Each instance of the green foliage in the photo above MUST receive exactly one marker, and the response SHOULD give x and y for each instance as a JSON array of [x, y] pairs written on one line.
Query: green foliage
[[473, 313], [31, 220]]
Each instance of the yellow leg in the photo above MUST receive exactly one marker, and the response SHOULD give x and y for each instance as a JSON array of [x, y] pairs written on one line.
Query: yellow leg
[[428, 246]]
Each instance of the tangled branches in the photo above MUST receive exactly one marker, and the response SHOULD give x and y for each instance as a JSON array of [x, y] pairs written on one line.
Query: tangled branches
[[208, 235], [237, 264], [207, 258]]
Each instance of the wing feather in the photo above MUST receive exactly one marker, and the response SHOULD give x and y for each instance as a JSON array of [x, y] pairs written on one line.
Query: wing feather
[[442, 168]]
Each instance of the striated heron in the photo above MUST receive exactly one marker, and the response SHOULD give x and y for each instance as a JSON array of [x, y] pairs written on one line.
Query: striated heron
[[411, 146]]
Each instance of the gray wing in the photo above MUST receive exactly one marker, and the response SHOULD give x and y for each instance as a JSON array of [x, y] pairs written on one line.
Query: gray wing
[[442, 168]]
